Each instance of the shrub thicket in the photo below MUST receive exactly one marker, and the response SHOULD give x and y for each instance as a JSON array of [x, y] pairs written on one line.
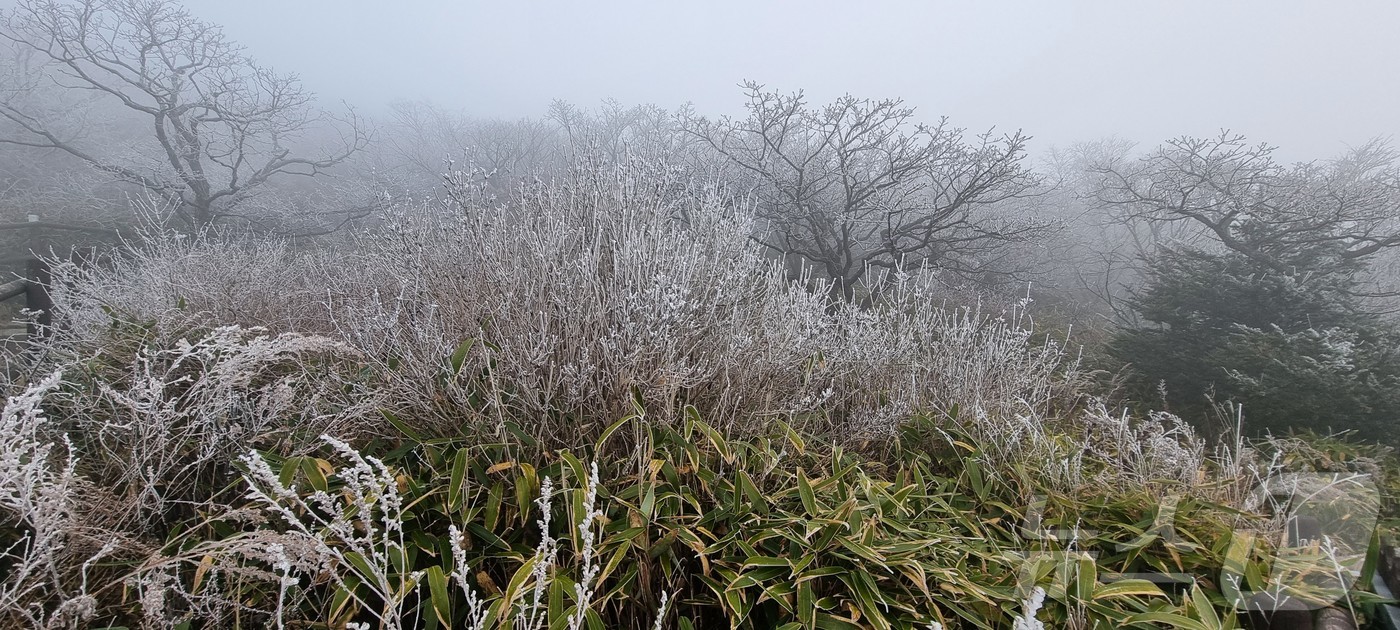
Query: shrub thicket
[[592, 405]]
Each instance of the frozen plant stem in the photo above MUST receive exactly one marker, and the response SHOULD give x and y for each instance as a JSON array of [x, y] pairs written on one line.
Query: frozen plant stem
[[583, 590]]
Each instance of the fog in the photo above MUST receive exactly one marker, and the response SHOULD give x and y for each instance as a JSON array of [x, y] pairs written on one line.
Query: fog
[[1310, 77], [705, 316]]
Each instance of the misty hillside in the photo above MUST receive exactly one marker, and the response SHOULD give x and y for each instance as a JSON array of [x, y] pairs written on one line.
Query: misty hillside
[[769, 358]]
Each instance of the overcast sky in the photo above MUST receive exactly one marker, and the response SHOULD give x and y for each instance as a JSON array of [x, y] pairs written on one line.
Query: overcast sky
[[1312, 76]]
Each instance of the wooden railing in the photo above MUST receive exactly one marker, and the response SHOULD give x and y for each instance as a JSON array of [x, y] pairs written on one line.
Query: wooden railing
[[34, 288], [38, 240]]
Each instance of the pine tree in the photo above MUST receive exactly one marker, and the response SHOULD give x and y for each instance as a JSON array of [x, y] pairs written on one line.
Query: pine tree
[[1290, 342]]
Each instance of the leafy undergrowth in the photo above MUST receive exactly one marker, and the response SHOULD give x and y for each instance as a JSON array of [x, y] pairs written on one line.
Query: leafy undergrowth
[[655, 524], [1094, 521], [775, 532]]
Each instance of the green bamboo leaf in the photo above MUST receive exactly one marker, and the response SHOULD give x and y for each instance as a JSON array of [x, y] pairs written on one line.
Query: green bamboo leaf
[[756, 501], [1086, 576], [315, 471], [648, 503], [767, 561], [1165, 619], [806, 605], [402, 426], [826, 621], [813, 574], [1205, 611], [459, 356], [804, 490], [558, 612], [1370, 563], [437, 588], [290, 466], [864, 552], [792, 437], [738, 605], [974, 477], [869, 600], [343, 599], [360, 564], [519, 578], [716, 440], [486, 535], [614, 561], [457, 479], [526, 485], [495, 498], [1128, 588], [612, 428], [580, 472]]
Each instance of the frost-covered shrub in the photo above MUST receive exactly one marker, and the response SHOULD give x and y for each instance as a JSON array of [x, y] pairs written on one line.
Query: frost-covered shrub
[[583, 291], [176, 280], [561, 305], [1160, 450], [161, 426], [45, 580], [628, 281], [358, 531]]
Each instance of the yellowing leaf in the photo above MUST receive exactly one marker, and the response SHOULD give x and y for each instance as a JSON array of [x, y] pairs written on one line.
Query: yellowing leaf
[[495, 468]]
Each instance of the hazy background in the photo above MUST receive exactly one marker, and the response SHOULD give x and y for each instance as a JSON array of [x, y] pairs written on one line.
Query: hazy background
[[1311, 77]]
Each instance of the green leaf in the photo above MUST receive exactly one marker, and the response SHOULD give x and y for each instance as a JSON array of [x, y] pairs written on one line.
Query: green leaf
[[459, 356], [457, 479], [311, 467], [1205, 611], [832, 622], [484, 534], [360, 564], [1372, 560], [974, 477], [344, 598], [402, 426], [756, 500], [1128, 588], [580, 473], [717, 440], [806, 605], [648, 503], [437, 588], [792, 436], [1165, 619], [767, 561], [809, 498], [1086, 576], [288, 473], [612, 428]]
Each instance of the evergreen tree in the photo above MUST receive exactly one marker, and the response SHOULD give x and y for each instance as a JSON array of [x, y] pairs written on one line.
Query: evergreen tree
[[1292, 342]]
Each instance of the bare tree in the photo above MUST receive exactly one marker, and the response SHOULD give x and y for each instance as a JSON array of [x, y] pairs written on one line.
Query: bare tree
[[1091, 264], [857, 184], [424, 142], [616, 132], [221, 125], [1241, 197]]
